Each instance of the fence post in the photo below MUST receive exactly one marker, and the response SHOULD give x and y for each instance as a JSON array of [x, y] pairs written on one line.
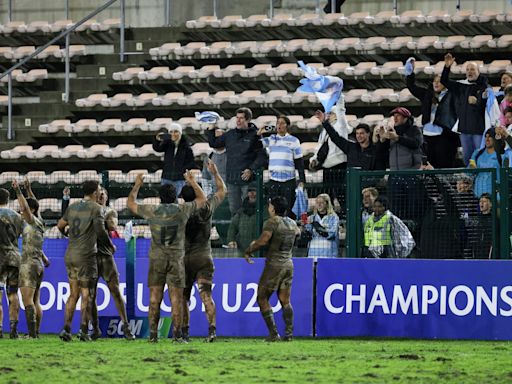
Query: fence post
[[10, 129], [260, 203], [353, 193], [504, 219], [122, 31], [9, 11]]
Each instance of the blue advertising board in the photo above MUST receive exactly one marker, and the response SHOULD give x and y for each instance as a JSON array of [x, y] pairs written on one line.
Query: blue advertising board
[[446, 299], [234, 292]]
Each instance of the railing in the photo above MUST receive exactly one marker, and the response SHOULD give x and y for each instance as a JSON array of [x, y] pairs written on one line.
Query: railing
[[64, 34]]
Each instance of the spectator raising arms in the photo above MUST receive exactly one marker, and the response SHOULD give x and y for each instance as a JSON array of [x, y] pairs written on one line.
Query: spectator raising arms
[[438, 118], [178, 156]]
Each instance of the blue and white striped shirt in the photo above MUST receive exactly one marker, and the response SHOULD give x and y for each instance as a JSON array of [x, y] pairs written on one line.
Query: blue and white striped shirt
[[283, 150], [320, 246]]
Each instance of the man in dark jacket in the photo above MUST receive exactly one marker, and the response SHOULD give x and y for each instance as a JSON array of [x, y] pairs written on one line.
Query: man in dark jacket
[[439, 115], [178, 156], [244, 153], [470, 104]]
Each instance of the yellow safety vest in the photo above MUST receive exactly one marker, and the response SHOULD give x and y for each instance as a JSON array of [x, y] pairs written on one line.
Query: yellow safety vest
[[377, 233]]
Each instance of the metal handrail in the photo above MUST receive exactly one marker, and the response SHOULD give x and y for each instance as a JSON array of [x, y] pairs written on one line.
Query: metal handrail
[[63, 34]]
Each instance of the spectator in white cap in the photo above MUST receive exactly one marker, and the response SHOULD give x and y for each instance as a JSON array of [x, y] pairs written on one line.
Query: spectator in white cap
[[178, 156]]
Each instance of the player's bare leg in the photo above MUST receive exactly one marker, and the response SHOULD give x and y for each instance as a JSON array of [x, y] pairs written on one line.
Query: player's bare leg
[[87, 293], [14, 308], [205, 292], [156, 295], [267, 313], [27, 295], [176, 296], [284, 299], [96, 332], [1, 313], [74, 294], [185, 328], [39, 310], [115, 291]]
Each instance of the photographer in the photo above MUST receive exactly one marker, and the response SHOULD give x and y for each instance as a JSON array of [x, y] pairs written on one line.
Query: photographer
[[285, 156]]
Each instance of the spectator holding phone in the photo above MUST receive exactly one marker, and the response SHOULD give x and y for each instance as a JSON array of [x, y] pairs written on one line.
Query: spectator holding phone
[[178, 156]]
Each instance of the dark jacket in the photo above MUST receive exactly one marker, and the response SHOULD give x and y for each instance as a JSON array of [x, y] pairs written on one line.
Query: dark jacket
[[175, 164], [471, 116], [243, 150], [372, 158], [446, 113], [406, 152]]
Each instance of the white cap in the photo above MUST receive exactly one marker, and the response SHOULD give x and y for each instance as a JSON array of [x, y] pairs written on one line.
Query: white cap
[[175, 127]]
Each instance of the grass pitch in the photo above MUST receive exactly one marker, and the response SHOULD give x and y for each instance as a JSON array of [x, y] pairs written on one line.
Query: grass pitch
[[235, 361]]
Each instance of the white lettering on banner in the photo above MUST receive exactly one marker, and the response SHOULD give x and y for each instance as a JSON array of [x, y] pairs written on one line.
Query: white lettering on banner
[[361, 298], [163, 306], [140, 294], [62, 296], [252, 304], [507, 299], [238, 298], [193, 301], [460, 300], [106, 297], [490, 302], [430, 295], [116, 326], [51, 295], [378, 299], [405, 303], [122, 289]]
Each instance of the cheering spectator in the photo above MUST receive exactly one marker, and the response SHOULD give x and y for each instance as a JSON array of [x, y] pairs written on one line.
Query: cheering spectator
[[486, 157], [323, 227], [363, 153], [285, 156], [438, 118], [244, 154], [369, 196], [481, 241], [178, 156], [505, 104], [385, 235], [470, 104], [506, 80]]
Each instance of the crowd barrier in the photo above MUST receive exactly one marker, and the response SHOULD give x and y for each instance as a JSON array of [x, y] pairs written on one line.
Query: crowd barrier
[[446, 299]]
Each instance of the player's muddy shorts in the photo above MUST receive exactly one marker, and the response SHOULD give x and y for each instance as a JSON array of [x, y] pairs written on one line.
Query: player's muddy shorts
[[9, 275], [197, 268], [31, 275], [170, 270], [276, 277], [85, 271], [107, 268]]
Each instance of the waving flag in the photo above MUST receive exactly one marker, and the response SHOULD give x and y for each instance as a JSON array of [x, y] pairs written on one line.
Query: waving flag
[[327, 88], [128, 231], [492, 113], [409, 66], [207, 117], [301, 202]]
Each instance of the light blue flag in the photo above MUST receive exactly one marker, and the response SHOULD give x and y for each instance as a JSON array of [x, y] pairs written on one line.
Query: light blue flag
[[128, 231], [207, 117], [409, 69], [492, 113], [327, 88], [301, 202]]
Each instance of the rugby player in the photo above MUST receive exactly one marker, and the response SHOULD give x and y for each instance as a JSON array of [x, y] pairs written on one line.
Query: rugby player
[[86, 228], [167, 222], [280, 233], [10, 231], [198, 253], [33, 260], [107, 269], [2, 287]]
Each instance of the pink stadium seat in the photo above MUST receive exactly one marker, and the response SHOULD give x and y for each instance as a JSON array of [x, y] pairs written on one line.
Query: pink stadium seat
[[153, 74]]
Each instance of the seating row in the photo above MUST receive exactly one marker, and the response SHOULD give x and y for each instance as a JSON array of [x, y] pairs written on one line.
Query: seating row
[[407, 17], [334, 69], [26, 77], [57, 26], [314, 47], [16, 53]]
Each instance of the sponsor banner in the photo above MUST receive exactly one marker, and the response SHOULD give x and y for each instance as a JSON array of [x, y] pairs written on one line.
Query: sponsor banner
[[446, 299], [234, 293], [111, 326]]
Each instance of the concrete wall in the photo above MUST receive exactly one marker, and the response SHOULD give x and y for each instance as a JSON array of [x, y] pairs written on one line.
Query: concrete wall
[[151, 12]]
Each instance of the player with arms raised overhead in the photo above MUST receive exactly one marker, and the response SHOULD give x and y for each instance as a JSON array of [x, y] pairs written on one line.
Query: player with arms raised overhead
[[198, 253], [10, 230], [86, 228], [280, 233], [33, 258], [167, 222]]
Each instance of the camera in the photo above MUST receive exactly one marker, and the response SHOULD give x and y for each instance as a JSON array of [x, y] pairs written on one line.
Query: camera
[[269, 128]]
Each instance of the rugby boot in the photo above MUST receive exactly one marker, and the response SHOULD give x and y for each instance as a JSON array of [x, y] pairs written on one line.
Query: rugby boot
[[127, 333], [1, 333], [153, 337], [83, 334], [96, 334], [212, 335], [179, 340], [268, 316], [288, 321], [185, 332], [287, 338], [273, 337], [13, 334], [65, 335]]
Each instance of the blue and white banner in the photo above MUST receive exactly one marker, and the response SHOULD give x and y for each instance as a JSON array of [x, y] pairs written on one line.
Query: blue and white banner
[[234, 292], [445, 299]]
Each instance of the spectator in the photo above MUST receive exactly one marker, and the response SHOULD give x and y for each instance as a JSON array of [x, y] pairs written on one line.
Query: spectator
[[404, 141], [508, 118], [285, 156], [218, 157], [363, 153], [505, 104], [385, 235], [329, 157], [244, 156], [506, 79], [178, 156], [323, 227], [470, 104], [486, 157], [438, 118], [369, 196], [337, 6], [481, 239], [243, 227]]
